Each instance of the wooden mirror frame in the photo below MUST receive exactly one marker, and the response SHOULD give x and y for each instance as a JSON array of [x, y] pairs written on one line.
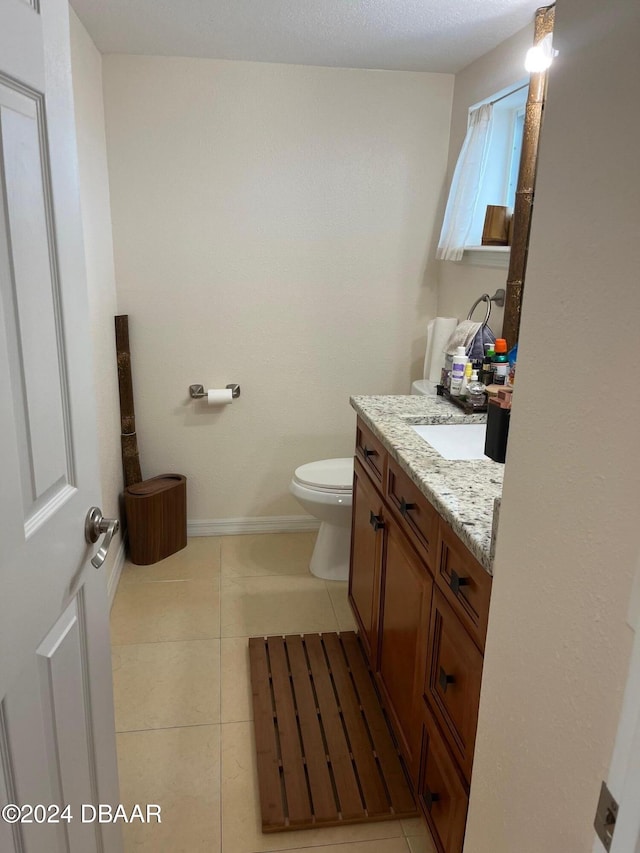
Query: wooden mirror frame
[[526, 186]]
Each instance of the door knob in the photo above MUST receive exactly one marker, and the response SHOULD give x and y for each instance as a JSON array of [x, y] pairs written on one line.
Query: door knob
[[95, 526]]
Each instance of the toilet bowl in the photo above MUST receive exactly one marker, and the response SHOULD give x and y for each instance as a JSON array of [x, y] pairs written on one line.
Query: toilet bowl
[[325, 489]]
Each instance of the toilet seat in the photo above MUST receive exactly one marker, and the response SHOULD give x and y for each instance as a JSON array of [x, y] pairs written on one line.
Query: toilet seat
[[326, 475]]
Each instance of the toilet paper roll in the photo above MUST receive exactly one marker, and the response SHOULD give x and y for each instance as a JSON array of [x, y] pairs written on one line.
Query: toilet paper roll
[[439, 331], [219, 396]]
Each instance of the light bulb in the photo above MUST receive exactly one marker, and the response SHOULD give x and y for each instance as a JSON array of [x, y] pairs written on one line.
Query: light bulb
[[540, 56]]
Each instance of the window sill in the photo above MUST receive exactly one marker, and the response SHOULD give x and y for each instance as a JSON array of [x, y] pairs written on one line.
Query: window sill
[[487, 256]]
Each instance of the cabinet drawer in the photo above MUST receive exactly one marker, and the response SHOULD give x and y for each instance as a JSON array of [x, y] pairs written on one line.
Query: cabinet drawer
[[464, 582], [452, 682], [371, 453], [414, 512], [442, 793]]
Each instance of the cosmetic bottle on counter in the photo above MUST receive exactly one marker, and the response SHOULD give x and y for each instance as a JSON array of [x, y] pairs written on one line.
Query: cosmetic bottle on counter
[[486, 374], [500, 362], [468, 371], [457, 371], [476, 393]]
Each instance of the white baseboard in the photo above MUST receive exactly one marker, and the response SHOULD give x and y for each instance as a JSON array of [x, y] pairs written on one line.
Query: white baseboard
[[256, 524], [116, 571], [222, 527]]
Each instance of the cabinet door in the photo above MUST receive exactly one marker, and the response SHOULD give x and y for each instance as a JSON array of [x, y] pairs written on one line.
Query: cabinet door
[[406, 601], [364, 572]]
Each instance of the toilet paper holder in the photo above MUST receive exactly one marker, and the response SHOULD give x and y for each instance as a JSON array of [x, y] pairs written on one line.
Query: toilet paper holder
[[197, 391]]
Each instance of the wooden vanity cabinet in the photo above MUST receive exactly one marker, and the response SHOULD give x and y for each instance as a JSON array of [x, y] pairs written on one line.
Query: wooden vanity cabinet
[[421, 603]]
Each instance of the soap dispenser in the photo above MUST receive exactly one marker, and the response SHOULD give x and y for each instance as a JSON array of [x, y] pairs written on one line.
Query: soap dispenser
[[476, 393]]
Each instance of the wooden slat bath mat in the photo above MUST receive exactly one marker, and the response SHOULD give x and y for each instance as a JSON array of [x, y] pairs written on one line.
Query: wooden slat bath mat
[[325, 754]]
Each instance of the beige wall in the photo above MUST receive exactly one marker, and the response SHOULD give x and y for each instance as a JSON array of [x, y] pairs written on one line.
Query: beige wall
[[273, 227], [558, 644], [96, 222], [461, 284]]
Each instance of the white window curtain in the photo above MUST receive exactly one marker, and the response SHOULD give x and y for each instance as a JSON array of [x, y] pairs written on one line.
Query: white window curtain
[[465, 185]]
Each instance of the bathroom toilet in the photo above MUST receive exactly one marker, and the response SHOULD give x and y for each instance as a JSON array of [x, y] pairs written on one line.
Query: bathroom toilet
[[325, 489], [423, 387]]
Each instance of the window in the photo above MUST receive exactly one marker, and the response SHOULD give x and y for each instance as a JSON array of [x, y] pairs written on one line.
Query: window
[[516, 150], [500, 179]]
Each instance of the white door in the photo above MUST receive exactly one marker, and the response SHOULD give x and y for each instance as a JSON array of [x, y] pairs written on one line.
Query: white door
[[57, 741], [624, 773]]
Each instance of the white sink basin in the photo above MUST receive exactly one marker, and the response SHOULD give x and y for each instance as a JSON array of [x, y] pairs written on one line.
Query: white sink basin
[[455, 441]]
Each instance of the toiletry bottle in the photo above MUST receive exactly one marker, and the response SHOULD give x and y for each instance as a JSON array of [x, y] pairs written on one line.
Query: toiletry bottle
[[457, 371], [468, 370], [476, 394], [486, 374], [500, 362]]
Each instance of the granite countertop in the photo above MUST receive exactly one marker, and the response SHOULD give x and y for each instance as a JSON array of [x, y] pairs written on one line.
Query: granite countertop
[[463, 492]]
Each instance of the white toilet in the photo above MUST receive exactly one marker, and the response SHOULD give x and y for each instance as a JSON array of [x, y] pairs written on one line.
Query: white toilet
[[325, 490], [423, 387]]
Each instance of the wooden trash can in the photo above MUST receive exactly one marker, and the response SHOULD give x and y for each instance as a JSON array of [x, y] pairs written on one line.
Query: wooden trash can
[[156, 511]]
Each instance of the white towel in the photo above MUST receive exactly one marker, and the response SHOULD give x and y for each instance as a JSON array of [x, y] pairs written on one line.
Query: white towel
[[462, 336], [439, 330]]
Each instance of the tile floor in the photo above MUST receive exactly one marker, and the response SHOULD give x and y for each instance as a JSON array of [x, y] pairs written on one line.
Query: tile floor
[[179, 633]]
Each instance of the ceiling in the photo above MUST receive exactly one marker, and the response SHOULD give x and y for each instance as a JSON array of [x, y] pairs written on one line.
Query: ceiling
[[403, 35]]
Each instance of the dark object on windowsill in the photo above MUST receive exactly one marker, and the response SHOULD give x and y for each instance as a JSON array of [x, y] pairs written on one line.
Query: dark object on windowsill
[[496, 226]]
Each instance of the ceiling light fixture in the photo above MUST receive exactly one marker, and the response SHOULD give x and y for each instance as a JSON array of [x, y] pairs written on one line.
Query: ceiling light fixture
[[540, 56]]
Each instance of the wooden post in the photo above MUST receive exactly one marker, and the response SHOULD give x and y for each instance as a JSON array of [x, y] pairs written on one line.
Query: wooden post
[[128, 438], [526, 186]]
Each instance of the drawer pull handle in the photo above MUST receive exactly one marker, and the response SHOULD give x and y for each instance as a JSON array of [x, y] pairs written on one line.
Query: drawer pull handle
[[456, 582], [430, 798], [376, 521], [367, 453], [405, 507], [444, 680]]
